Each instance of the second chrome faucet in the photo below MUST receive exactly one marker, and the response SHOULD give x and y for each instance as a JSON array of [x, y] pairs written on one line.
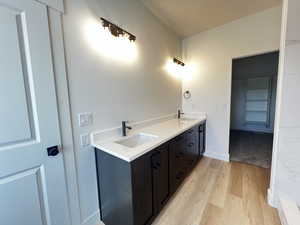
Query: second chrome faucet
[[179, 113], [124, 128]]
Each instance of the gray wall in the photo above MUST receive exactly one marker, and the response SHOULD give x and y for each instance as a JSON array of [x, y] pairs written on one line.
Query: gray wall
[[246, 68], [112, 90]]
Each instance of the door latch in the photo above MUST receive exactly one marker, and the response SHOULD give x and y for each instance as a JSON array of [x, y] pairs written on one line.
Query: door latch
[[53, 151]]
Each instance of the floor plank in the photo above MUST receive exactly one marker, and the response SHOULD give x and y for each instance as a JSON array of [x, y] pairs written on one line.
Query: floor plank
[[236, 181], [234, 213], [212, 215], [220, 193], [251, 195], [220, 189]]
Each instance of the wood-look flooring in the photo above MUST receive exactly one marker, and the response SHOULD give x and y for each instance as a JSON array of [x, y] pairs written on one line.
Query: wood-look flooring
[[221, 193]]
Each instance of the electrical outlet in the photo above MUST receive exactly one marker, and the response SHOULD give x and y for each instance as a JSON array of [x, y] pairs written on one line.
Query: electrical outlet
[[85, 119], [85, 140]]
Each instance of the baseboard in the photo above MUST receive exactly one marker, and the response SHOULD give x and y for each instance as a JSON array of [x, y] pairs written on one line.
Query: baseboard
[[215, 155], [272, 199], [288, 211], [282, 216], [93, 219]]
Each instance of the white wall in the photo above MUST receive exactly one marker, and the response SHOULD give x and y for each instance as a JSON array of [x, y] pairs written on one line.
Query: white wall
[[286, 154], [212, 52], [114, 91]]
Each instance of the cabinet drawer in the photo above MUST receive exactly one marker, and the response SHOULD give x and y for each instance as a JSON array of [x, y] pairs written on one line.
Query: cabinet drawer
[[179, 140], [191, 132]]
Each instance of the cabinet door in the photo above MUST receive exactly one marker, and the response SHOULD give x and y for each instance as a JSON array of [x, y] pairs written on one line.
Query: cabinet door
[[202, 136], [192, 147], [177, 162], [142, 190], [160, 174]]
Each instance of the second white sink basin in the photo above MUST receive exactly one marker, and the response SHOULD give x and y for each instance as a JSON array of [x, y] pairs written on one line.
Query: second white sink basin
[[136, 140], [185, 119]]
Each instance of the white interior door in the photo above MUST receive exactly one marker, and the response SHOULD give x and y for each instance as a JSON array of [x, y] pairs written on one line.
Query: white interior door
[[32, 184]]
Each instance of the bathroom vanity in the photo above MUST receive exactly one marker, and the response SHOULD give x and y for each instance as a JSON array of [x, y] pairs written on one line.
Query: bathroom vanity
[[138, 174]]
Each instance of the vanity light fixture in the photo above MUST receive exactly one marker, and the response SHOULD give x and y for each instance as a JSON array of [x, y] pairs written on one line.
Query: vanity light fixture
[[175, 60], [116, 30]]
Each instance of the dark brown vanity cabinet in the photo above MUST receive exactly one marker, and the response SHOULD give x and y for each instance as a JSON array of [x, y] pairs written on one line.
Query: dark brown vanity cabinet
[[133, 193], [125, 189]]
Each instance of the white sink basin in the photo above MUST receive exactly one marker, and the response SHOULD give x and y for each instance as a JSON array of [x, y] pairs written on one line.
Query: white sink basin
[[136, 140], [186, 119]]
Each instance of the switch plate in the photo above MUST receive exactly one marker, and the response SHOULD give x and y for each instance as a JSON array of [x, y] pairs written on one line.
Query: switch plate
[[85, 140], [85, 119]]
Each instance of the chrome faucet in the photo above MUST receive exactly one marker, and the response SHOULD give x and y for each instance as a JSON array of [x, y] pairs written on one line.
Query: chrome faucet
[[179, 113], [124, 128]]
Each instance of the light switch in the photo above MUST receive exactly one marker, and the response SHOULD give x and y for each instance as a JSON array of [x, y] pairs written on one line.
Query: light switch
[[85, 119], [85, 140]]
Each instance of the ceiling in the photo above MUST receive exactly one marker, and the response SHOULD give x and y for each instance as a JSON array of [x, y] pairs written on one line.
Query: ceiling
[[189, 17]]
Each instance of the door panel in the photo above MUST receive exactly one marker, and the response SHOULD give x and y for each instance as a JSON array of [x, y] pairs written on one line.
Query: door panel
[[23, 192], [32, 185], [14, 118]]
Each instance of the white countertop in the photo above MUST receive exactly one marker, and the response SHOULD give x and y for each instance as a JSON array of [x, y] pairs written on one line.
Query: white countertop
[[164, 131]]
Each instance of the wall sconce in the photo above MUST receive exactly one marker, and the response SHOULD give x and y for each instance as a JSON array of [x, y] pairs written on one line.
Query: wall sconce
[[180, 70], [176, 68], [117, 31], [175, 60], [110, 41]]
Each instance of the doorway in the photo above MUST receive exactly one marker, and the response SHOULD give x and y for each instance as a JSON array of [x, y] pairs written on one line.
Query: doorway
[[253, 100]]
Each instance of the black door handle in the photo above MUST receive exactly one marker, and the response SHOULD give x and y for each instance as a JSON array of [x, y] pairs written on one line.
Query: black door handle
[[53, 151]]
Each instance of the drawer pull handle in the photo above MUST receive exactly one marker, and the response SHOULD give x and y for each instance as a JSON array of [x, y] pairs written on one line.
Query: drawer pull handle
[[180, 154], [191, 144]]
